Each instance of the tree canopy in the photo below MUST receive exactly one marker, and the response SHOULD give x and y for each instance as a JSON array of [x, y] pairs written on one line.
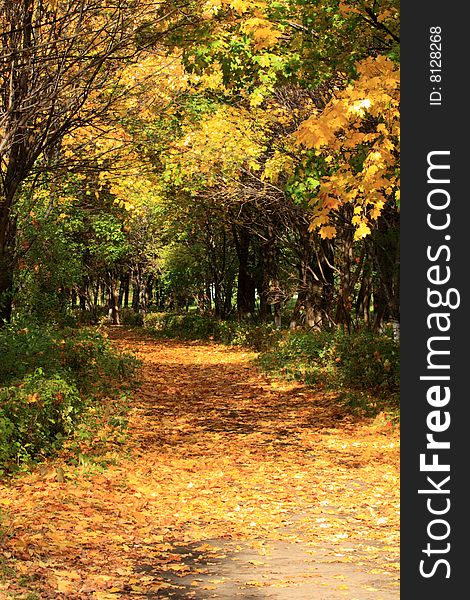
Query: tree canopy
[[240, 157]]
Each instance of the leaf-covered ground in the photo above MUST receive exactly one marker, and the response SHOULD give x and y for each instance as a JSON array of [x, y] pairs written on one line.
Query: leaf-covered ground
[[229, 485]]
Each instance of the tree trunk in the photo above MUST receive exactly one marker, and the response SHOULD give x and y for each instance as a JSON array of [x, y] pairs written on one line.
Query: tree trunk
[[149, 292], [7, 258], [142, 297], [113, 304], [315, 282], [246, 286], [126, 291], [136, 285], [364, 297], [6, 281], [228, 293], [264, 278], [208, 298], [82, 296], [277, 315], [123, 283], [96, 293], [271, 285], [344, 302], [385, 248]]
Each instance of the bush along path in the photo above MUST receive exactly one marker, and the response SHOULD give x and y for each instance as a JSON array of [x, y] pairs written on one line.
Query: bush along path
[[227, 485]]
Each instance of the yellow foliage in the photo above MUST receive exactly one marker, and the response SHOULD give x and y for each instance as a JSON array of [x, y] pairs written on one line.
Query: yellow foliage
[[359, 132], [151, 84], [327, 231], [362, 230], [262, 31], [211, 7], [225, 143], [240, 6], [276, 165]]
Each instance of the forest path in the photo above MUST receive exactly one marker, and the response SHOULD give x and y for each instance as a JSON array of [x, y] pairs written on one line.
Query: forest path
[[229, 485]]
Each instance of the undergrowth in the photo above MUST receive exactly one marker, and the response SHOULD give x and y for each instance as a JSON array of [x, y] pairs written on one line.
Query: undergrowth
[[363, 367], [190, 326], [51, 381]]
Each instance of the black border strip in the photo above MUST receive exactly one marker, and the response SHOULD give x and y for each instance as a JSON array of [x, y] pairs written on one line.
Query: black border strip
[[435, 236]]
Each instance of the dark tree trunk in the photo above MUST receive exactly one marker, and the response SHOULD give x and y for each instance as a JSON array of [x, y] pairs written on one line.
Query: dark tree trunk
[[124, 279], [246, 285], [228, 293], [269, 288], [307, 309], [345, 291], [263, 281], [149, 292], [136, 290], [82, 297], [126, 291], [159, 297], [7, 258], [315, 282], [8, 227], [385, 249], [96, 293], [364, 296], [326, 273], [113, 304]]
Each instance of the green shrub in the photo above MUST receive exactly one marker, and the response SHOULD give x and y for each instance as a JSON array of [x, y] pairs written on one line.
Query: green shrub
[[89, 356], [130, 318], [36, 415], [153, 321], [23, 349], [362, 366], [84, 355], [367, 360], [190, 326], [85, 316], [48, 379], [247, 335]]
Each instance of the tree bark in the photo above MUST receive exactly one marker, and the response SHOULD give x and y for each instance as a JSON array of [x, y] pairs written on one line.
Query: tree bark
[[7, 267], [113, 304], [246, 286]]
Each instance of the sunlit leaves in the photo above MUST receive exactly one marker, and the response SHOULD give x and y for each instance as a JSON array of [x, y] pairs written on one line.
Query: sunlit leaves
[[262, 31], [358, 131], [224, 143]]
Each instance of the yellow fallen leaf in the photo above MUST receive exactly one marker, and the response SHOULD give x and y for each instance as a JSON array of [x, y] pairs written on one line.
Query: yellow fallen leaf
[[64, 574], [64, 586]]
